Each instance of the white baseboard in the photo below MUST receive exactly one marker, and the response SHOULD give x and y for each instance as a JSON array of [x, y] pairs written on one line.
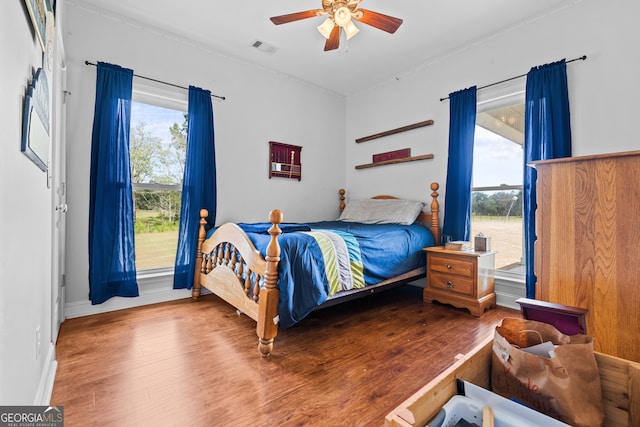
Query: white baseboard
[[152, 296], [420, 283], [508, 290], [48, 376]]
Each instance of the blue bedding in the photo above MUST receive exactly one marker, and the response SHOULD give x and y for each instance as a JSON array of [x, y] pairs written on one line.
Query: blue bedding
[[386, 250]]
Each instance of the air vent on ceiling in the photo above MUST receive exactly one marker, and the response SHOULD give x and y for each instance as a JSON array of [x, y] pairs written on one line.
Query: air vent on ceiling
[[264, 47]]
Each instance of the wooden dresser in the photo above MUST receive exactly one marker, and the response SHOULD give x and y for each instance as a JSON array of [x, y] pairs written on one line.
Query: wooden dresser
[[587, 252], [463, 279]]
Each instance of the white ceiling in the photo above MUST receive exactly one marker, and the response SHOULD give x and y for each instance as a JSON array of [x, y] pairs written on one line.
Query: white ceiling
[[430, 29]]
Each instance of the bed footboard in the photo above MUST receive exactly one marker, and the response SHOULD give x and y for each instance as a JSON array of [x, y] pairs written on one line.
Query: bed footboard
[[267, 327], [229, 265], [202, 234]]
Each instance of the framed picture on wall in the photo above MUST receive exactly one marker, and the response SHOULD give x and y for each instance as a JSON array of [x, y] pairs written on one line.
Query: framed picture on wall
[[38, 13], [284, 160], [35, 122]]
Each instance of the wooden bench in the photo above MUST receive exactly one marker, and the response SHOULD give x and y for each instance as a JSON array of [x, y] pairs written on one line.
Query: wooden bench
[[620, 380]]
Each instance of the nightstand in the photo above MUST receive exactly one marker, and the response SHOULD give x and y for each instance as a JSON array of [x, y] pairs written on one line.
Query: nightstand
[[463, 279]]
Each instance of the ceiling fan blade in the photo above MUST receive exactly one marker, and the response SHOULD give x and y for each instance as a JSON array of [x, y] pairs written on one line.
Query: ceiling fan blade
[[333, 42], [283, 19], [378, 20]]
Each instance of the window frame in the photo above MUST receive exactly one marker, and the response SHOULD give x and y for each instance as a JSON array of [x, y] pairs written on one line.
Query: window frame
[[503, 95], [159, 95]]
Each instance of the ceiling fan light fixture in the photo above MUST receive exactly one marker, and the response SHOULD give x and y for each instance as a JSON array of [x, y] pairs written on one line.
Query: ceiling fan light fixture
[[342, 16], [326, 27], [350, 29]]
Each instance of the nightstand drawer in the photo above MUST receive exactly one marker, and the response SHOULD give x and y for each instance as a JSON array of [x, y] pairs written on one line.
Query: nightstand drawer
[[463, 279], [459, 284], [451, 265]]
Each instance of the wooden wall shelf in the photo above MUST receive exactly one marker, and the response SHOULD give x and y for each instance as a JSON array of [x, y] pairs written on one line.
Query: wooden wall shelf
[[391, 162], [394, 131]]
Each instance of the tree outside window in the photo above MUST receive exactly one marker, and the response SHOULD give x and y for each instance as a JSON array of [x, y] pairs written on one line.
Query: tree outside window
[[157, 156]]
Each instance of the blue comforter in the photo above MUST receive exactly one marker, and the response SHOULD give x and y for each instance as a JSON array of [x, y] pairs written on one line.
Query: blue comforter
[[387, 250]]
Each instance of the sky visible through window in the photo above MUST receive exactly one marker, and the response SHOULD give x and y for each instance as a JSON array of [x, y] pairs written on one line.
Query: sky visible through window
[[496, 160], [157, 120]]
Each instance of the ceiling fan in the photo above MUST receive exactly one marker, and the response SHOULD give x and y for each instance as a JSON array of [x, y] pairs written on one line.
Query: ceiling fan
[[341, 14]]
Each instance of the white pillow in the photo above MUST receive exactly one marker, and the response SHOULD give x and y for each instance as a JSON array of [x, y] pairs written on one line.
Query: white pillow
[[382, 211]]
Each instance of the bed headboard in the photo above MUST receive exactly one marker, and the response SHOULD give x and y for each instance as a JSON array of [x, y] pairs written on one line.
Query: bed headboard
[[430, 220]]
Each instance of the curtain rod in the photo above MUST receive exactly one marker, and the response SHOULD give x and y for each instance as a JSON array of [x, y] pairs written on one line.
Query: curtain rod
[[582, 58], [160, 81]]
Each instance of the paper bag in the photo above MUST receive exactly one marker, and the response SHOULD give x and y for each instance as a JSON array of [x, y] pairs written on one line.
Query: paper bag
[[565, 386]]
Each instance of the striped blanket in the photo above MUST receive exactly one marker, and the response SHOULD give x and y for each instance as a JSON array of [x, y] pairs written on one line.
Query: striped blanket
[[342, 259]]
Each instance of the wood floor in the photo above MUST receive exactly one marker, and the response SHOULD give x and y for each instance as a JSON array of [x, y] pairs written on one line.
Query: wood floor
[[186, 363]]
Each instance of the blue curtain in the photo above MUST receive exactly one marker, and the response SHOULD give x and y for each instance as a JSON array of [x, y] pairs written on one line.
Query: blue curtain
[[112, 261], [547, 135], [457, 201], [198, 185]]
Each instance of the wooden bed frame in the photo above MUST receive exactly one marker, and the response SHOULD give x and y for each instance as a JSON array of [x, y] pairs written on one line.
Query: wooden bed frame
[[230, 266]]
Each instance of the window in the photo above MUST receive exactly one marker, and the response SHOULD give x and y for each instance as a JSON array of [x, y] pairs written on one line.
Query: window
[[157, 150], [498, 180]]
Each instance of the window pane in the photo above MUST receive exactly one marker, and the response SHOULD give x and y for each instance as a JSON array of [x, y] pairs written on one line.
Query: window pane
[[497, 184], [502, 222], [157, 150]]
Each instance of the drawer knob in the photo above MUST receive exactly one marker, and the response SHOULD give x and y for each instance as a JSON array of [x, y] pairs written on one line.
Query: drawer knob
[[449, 266], [450, 284]]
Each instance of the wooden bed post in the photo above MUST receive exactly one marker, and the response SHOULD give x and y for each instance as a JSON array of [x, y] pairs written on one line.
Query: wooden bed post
[[435, 208], [267, 327], [342, 205], [202, 234]]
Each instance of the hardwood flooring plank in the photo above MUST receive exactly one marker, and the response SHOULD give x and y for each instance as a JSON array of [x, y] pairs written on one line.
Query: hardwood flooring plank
[[185, 363]]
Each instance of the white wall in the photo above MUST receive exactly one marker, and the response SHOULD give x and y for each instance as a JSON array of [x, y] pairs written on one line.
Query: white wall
[[260, 106], [603, 92], [263, 106], [25, 224]]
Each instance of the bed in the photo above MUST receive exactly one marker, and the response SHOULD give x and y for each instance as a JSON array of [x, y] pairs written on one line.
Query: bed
[[277, 273]]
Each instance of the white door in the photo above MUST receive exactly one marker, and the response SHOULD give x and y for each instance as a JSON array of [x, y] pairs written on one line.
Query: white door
[[58, 185]]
